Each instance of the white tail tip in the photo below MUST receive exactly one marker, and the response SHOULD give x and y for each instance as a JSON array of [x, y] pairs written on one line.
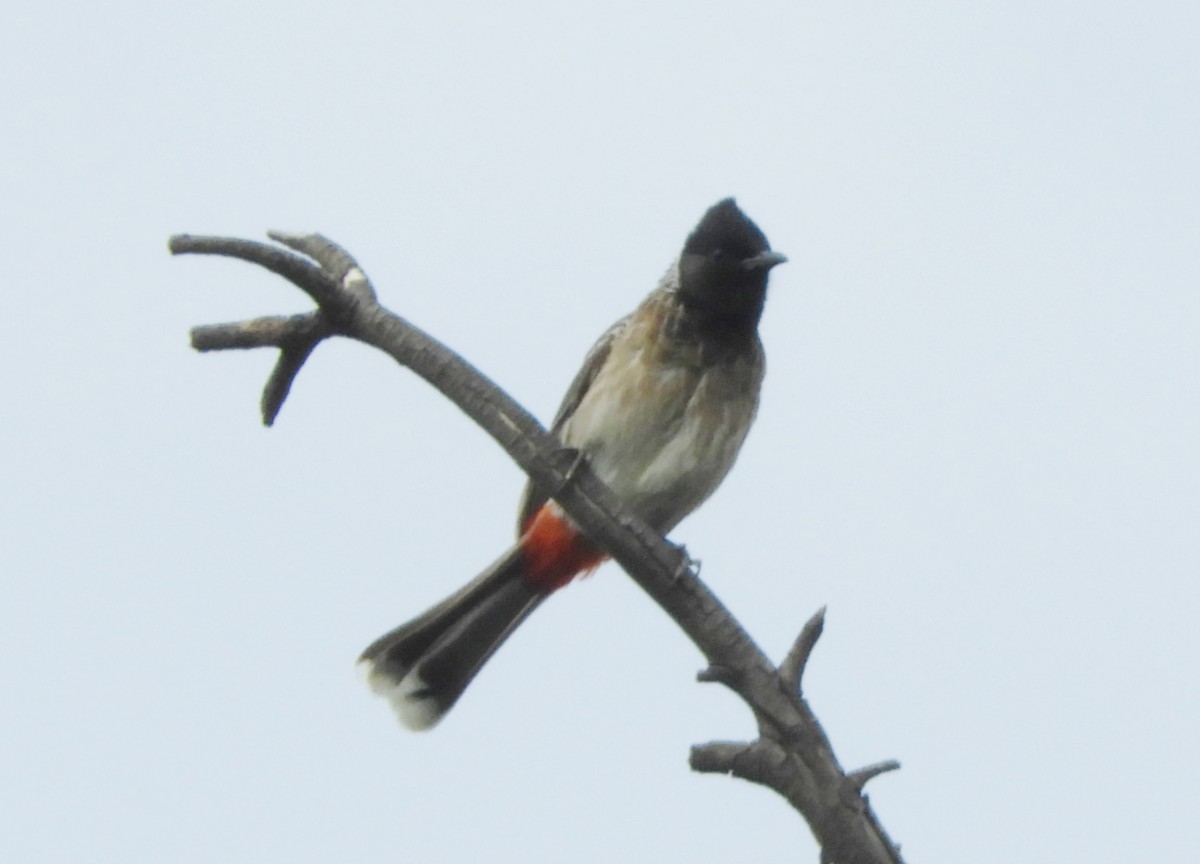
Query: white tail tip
[[415, 711]]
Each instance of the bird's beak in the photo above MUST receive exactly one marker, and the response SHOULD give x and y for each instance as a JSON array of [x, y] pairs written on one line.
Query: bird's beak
[[764, 261]]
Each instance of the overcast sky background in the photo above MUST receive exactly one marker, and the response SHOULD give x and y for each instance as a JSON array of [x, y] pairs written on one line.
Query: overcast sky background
[[978, 443]]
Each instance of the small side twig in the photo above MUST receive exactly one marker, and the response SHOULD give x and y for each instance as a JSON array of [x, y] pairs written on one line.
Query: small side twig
[[856, 780], [791, 670]]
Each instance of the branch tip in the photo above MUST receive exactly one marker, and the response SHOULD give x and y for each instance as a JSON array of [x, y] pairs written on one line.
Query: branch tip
[[717, 757], [858, 779], [717, 674], [335, 261], [279, 384], [791, 671], [287, 238]]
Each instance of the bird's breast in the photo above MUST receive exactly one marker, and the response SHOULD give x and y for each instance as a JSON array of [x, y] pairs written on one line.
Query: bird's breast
[[664, 419]]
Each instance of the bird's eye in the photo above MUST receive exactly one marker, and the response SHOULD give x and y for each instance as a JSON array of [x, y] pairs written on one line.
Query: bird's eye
[[718, 254]]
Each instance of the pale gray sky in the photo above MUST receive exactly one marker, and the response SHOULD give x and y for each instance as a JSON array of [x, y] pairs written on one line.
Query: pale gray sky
[[978, 443]]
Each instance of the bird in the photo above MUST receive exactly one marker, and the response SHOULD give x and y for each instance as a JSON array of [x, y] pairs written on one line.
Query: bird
[[659, 409]]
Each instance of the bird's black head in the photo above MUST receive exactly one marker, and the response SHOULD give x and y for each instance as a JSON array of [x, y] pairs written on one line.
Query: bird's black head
[[724, 266]]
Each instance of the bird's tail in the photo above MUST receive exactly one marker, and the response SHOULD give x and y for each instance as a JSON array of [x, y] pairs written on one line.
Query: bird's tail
[[422, 667]]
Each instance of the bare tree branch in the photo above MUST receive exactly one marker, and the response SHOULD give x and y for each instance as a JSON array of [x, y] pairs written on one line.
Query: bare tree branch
[[792, 755]]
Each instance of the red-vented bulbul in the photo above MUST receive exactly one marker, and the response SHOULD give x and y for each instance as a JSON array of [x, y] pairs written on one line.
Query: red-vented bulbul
[[660, 409]]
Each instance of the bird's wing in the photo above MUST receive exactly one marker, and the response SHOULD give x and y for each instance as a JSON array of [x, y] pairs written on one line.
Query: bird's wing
[[533, 497]]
